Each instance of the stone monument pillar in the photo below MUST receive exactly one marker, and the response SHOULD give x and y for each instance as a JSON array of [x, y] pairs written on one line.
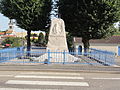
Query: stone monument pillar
[[57, 43], [57, 36]]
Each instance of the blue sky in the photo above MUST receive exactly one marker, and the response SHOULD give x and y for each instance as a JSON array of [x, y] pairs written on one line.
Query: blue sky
[[4, 24]]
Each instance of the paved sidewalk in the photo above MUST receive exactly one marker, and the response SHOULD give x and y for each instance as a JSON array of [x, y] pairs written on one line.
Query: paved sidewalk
[[61, 68]]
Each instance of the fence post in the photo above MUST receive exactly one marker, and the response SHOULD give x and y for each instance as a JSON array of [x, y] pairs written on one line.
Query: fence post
[[105, 57], [8, 56], [64, 57], [113, 59], [48, 62]]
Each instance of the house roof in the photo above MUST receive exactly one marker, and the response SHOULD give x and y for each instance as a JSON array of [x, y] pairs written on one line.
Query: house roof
[[110, 40], [8, 36], [2, 33], [9, 31]]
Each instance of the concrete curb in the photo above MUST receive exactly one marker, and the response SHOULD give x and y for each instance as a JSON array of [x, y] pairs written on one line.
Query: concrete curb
[[116, 66], [62, 68], [73, 71]]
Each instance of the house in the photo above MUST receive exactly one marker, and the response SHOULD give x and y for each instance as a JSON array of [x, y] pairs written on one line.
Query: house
[[2, 33], [7, 33], [10, 32], [109, 44], [20, 34]]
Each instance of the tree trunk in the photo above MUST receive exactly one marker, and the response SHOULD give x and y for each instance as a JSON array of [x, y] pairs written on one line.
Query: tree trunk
[[28, 40], [119, 25], [86, 45]]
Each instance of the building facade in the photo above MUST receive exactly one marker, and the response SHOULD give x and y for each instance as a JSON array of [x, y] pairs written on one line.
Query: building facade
[[108, 44]]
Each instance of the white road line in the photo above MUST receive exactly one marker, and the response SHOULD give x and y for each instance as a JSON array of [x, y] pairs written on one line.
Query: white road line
[[107, 78], [51, 77], [25, 89], [47, 83], [51, 73], [6, 75]]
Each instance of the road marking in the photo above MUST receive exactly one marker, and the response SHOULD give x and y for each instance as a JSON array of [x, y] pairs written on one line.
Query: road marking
[[107, 78], [51, 73], [6, 75], [47, 83], [54, 77], [25, 89]]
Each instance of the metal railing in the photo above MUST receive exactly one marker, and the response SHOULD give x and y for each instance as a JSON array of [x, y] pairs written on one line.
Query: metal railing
[[102, 56], [41, 55]]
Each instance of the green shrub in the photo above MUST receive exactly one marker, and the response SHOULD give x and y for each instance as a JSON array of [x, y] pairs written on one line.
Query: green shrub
[[13, 41]]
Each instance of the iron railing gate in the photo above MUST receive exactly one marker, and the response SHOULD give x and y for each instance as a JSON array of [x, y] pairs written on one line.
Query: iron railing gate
[[21, 56]]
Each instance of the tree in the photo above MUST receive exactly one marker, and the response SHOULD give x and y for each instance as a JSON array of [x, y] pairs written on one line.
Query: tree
[[119, 26], [46, 37], [34, 35], [41, 39], [31, 15], [69, 40], [89, 19]]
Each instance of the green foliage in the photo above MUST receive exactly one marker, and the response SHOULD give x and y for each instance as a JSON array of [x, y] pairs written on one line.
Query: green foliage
[[46, 37], [35, 35], [13, 41], [89, 19], [119, 25], [41, 38], [69, 40], [117, 33], [31, 15], [40, 41]]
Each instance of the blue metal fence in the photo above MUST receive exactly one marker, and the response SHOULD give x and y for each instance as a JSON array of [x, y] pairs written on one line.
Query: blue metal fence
[[118, 50], [93, 57], [102, 56], [10, 53]]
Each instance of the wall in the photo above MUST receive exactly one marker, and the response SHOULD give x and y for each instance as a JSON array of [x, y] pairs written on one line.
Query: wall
[[107, 47]]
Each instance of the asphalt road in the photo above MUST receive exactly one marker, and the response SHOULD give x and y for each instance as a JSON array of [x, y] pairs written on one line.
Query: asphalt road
[[36, 80]]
